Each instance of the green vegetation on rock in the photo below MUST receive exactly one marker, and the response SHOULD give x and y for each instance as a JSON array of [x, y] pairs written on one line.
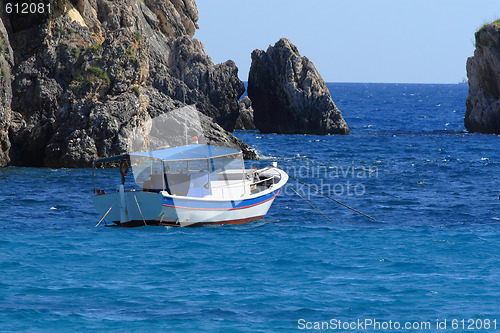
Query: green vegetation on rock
[[76, 52], [497, 22], [4, 50], [137, 36], [136, 91], [94, 47], [58, 7], [96, 72]]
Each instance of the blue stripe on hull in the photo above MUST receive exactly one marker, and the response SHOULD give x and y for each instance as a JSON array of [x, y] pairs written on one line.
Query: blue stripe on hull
[[217, 205]]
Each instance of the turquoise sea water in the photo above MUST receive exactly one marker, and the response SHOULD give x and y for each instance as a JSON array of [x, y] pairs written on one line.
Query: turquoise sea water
[[432, 255]]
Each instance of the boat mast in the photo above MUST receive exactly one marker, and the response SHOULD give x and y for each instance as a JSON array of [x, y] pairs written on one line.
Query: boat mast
[[208, 169], [244, 176], [185, 115], [93, 176]]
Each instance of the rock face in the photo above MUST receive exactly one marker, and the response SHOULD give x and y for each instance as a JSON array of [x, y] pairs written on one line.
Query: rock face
[[92, 70], [483, 72], [6, 57], [245, 120], [288, 94]]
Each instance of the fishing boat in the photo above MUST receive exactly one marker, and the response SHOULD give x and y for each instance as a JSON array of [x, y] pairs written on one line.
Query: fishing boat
[[188, 185]]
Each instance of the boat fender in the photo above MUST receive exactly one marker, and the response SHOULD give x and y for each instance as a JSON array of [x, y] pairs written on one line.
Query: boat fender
[[271, 173], [123, 168]]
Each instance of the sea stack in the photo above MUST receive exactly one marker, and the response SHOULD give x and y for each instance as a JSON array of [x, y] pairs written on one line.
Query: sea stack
[[288, 94], [245, 120], [483, 72]]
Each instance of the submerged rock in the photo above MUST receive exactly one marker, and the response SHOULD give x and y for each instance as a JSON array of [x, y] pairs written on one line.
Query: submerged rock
[[245, 119], [288, 94], [483, 72], [95, 68]]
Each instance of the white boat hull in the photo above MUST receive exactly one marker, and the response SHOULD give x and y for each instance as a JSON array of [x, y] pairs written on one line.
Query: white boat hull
[[135, 208], [188, 212]]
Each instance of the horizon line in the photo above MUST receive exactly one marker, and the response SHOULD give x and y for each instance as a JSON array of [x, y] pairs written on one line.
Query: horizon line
[[358, 82]]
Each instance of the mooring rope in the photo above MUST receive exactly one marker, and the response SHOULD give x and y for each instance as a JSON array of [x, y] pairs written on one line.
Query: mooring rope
[[340, 203], [310, 204], [143, 220], [105, 215]]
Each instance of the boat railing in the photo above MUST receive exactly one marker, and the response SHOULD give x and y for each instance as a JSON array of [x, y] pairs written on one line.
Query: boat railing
[[263, 180], [244, 182]]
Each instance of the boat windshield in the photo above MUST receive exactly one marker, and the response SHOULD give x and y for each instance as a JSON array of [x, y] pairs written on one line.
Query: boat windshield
[[171, 153]]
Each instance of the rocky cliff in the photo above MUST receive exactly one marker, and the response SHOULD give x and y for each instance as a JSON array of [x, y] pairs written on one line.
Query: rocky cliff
[[288, 94], [483, 72], [245, 120], [91, 71], [6, 57]]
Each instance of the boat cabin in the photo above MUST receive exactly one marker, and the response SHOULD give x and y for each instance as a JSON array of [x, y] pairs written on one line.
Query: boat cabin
[[194, 171]]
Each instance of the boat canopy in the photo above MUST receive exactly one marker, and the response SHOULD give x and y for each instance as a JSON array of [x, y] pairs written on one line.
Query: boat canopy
[[191, 170], [186, 153], [161, 158]]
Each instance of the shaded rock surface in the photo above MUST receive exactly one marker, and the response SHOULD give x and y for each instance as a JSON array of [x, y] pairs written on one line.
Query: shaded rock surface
[[483, 72], [93, 69], [288, 94], [6, 56], [245, 119], [157, 128]]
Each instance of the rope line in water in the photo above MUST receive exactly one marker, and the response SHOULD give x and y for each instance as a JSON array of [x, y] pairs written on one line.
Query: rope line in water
[[310, 204], [340, 203]]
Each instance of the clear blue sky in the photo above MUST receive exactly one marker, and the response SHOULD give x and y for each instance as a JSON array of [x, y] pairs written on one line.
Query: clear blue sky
[[410, 41]]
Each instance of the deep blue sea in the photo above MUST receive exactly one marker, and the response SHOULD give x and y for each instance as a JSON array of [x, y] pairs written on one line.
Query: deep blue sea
[[432, 255]]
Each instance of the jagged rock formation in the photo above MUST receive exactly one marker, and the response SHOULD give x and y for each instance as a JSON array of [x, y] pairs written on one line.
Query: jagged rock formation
[[92, 70], [288, 94], [483, 72], [245, 119], [5, 95]]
